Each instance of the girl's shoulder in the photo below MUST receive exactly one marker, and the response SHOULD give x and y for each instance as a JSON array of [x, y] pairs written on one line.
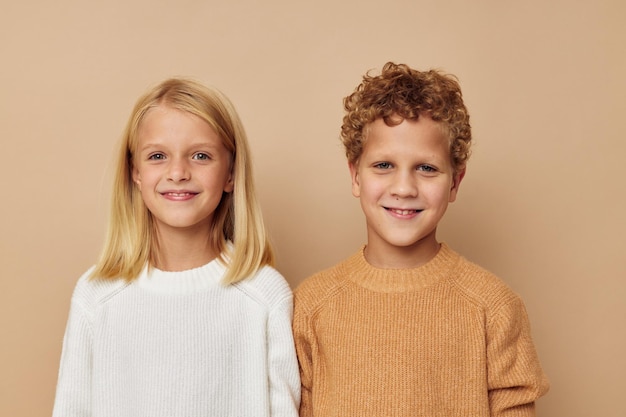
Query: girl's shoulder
[[91, 291], [266, 286]]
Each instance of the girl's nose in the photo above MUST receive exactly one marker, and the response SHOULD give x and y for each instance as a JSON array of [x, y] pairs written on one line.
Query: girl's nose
[[178, 170]]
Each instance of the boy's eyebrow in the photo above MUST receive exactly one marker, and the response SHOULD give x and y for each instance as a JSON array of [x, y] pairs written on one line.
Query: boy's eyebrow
[[383, 154]]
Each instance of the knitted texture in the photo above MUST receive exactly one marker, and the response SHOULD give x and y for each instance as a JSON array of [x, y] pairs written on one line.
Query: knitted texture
[[445, 339], [179, 344]]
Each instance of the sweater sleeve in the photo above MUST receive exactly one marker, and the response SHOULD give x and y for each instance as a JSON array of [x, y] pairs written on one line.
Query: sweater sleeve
[[283, 365], [515, 377], [302, 336], [73, 393]]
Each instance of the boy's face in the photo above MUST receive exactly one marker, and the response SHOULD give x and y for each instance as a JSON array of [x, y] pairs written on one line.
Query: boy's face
[[405, 180]]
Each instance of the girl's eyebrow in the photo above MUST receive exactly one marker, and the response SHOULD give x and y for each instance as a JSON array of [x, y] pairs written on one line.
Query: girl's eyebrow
[[156, 144], [149, 147]]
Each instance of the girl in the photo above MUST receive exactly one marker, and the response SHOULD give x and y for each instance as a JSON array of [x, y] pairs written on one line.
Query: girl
[[183, 314]]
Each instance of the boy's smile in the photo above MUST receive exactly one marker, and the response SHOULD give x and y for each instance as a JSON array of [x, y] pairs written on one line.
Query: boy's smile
[[404, 179]]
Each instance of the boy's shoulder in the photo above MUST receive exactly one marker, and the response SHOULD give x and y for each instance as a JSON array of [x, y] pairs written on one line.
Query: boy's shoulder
[[481, 286], [319, 287]]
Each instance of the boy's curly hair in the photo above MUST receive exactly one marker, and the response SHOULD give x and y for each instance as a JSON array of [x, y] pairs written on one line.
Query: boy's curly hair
[[405, 92]]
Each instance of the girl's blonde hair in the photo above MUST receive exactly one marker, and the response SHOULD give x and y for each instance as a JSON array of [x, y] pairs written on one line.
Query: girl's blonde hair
[[132, 244]]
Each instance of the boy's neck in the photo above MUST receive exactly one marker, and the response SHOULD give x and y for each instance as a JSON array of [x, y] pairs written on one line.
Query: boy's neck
[[401, 257]]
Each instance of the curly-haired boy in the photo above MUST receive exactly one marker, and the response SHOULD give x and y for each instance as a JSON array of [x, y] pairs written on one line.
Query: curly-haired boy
[[406, 326]]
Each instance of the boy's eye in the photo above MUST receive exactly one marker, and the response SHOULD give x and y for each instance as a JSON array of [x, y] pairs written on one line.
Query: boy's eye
[[426, 168], [383, 165], [156, 156], [201, 156]]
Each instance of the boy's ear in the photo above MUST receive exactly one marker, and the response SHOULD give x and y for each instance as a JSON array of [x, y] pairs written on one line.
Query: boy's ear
[[456, 182], [354, 175]]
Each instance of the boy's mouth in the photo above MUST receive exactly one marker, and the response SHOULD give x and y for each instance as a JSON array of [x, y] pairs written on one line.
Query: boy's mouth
[[402, 212]]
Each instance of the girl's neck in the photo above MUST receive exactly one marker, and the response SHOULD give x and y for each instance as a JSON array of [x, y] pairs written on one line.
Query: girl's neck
[[183, 250]]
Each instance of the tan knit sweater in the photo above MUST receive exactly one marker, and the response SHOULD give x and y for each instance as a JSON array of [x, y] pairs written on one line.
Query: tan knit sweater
[[445, 339]]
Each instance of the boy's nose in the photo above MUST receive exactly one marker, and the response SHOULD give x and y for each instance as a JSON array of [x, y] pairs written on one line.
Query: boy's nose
[[404, 185]]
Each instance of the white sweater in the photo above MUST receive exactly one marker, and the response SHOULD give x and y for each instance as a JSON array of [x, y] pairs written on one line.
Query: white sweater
[[179, 344]]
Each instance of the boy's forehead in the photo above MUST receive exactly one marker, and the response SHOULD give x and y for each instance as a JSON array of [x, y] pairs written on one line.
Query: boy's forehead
[[396, 119], [407, 138], [421, 128]]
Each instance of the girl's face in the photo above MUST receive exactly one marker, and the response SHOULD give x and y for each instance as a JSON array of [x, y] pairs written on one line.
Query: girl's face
[[181, 168]]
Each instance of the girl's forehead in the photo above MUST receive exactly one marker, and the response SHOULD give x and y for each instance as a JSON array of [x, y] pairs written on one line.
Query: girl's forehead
[[164, 116]]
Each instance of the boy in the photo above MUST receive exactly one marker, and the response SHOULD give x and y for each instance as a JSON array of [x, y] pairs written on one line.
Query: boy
[[406, 326]]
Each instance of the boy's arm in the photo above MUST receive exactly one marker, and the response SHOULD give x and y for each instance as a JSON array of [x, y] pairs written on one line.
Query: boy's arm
[[515, 377], [283, 364], [302, 338], [73, 393]]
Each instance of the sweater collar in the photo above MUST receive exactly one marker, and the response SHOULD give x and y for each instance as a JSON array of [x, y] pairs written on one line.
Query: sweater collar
[[400, 280], [182, 282]]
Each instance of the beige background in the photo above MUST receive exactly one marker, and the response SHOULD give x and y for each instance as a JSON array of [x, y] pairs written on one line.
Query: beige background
[[542, 205]]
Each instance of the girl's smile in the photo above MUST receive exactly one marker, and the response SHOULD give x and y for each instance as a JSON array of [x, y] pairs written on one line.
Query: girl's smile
[[178, 195]]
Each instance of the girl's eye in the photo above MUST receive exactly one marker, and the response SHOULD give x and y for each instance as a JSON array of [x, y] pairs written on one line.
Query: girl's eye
[[383, 165], [156, 156], [201, 156]]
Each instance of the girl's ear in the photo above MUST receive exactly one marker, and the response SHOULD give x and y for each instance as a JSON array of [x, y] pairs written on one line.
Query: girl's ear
[[229, 186], [356, 182], [136, 177]]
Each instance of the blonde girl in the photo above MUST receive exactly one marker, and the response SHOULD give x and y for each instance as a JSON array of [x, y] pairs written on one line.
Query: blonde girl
[[183, 314]]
